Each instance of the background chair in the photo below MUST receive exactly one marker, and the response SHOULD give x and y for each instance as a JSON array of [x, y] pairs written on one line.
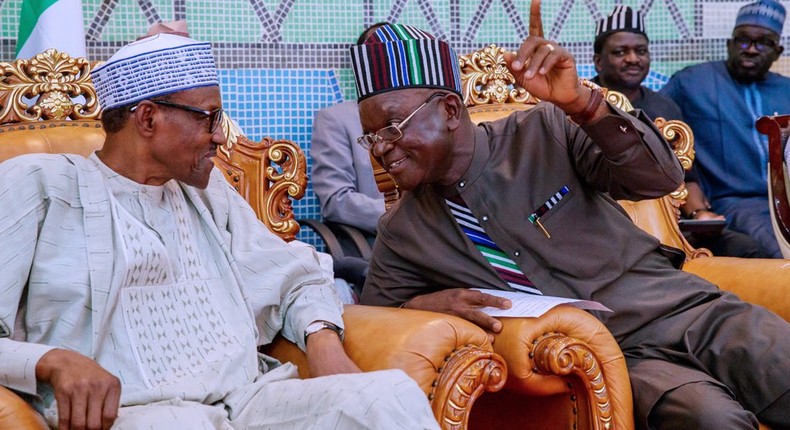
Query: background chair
[[777, 128], [48, 105]]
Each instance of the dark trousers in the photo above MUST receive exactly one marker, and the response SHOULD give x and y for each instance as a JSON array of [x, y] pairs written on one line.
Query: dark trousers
[[752, 217]]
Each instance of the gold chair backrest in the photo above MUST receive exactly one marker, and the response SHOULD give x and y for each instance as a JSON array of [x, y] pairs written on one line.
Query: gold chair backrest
[[490, 93], [48, 105]]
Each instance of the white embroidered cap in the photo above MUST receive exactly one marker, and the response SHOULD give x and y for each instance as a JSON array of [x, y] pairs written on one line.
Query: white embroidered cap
[[154, 66]]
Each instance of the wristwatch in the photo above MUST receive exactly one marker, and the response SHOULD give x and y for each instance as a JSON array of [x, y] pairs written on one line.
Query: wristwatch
[[316, 326]]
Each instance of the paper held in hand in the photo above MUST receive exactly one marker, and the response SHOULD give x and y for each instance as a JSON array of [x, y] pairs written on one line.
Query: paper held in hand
[[531, 305]]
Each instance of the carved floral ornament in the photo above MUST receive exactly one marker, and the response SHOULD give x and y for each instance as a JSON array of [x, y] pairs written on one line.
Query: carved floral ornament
[[45, 87], [486, 79]]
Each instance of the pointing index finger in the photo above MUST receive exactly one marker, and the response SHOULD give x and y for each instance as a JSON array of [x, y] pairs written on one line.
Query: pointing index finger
[[535, 23]]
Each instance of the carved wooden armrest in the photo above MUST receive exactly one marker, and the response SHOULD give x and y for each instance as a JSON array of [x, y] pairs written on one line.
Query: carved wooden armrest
[[568, 351], [450, 358]]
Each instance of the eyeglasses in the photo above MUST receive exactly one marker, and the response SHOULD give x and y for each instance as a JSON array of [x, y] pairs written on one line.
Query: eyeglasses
[[761, 45], [391, 133], [214, 116]]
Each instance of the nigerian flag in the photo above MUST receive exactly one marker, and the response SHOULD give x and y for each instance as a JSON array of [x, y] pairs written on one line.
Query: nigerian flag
[[45, 24]]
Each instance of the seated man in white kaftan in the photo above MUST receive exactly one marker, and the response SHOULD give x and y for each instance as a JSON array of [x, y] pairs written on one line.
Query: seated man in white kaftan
[[137, 284]]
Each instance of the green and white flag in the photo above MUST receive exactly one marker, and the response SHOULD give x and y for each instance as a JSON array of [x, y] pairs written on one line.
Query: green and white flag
[[45, 24]]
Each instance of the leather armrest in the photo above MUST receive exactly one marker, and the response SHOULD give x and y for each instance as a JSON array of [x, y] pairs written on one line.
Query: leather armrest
[[15, 413], [378, 338], [760, 281], [448, 357], [568, 349]]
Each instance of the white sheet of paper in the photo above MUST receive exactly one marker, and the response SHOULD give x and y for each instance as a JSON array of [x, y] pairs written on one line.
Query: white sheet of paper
[[531, 305]]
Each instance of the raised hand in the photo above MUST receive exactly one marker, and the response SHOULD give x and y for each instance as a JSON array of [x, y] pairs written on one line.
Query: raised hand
[[545, 69], [88, 396], [464, 303]]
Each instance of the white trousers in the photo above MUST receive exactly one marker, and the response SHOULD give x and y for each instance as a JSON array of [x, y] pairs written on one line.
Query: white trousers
[[375, 400]]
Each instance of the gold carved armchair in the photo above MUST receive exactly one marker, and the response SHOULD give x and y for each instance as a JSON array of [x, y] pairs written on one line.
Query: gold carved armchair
[[48, 105]]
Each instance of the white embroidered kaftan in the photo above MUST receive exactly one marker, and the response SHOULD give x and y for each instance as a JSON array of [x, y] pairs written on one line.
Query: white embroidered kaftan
[[170, 288]]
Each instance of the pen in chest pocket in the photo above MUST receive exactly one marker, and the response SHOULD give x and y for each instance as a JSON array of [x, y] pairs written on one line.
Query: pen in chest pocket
[[534, 217]]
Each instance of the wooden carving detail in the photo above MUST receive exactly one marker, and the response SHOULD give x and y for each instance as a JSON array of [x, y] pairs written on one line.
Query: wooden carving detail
[[486, 79], [680, 136], [288, 180], [52, 80], [280, 172], [232, 133], [467, 374], [558, 354], [619, 100]]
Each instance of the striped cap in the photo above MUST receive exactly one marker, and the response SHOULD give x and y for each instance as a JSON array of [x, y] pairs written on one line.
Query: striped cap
[[622, 18], [154, 66], [768, 14], [399, 56]]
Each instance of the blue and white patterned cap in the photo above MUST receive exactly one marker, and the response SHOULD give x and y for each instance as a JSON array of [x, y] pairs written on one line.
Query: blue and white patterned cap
[[768, 14], [157, 65]]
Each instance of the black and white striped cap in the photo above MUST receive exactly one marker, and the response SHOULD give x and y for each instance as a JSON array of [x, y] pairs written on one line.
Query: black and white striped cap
[[622, 18]]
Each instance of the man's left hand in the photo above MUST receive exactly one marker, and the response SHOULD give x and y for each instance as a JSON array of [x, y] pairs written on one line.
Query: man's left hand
[[326, 356]]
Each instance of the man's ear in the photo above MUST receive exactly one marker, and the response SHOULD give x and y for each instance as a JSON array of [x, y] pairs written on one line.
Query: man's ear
[[144, 119], [597, 62], [453, 109], [778, 51]]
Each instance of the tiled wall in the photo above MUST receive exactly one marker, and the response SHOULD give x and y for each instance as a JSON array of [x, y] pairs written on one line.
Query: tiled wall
[[281, 60]]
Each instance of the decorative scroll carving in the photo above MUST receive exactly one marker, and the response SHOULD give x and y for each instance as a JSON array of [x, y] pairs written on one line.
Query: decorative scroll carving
[[617, 99], [268, 174], [289, 179], [52, 80], [486, 79], [467, 373], [558, 354], [680, 136]]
